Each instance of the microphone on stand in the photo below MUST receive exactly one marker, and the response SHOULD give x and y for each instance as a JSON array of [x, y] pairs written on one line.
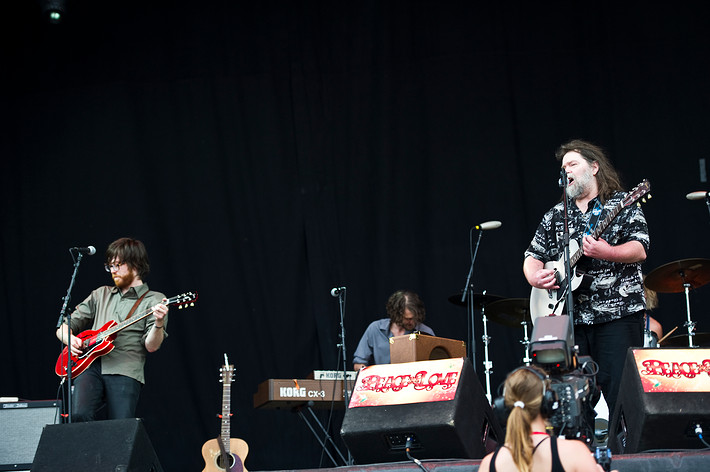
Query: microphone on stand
[[697, 195], [488, 225], [336, 291], [89, 250]]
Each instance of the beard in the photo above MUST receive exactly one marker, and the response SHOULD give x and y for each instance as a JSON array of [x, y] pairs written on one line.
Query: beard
[[124, 281], [579, 185]]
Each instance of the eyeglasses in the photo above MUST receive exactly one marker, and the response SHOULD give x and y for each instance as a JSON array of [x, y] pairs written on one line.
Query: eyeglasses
[[115, 266]]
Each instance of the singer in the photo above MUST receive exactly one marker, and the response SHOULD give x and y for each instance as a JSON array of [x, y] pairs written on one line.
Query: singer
[[406, 314], [115, 379], [608, 316]]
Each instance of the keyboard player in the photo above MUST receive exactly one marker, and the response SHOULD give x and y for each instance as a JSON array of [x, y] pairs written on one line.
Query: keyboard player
[[406, 315]]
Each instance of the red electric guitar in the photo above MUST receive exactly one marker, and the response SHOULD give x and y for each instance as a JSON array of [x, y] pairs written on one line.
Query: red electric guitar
[[100, 342], [225, 453]]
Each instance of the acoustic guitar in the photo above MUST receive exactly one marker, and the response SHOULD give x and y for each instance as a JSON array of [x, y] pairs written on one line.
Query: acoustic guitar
[[97, 343], [225, 453]]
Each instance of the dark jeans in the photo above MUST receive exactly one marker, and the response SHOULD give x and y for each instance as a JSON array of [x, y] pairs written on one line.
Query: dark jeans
[[93, 391], [607, 344]]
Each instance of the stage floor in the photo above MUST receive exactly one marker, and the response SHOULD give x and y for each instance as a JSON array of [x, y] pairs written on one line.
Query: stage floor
[[648, 462]]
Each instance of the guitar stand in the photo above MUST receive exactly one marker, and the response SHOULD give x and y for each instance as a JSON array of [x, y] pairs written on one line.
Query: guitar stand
[[326, 437]]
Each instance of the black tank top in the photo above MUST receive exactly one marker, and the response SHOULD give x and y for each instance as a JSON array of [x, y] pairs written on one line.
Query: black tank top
[[556, 463]]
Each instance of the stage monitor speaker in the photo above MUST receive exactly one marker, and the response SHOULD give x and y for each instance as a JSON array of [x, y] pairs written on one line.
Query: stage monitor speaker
[[461, 427], [21, 426], [664, 394], [96, 446]]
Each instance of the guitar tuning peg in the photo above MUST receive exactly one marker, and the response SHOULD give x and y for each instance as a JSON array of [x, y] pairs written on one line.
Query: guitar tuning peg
[[650, 196], [643, 200], [192, 304], [638, 204], [179, 307]]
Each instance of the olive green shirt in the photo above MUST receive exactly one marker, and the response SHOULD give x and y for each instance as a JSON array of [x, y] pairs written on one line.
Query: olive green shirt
[[107, 303]]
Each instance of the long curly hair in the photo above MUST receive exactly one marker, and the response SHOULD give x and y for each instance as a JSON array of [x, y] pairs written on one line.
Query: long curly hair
[[402, 300], [608, 179]]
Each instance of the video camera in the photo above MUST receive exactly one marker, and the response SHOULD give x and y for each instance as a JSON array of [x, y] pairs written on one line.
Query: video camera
[[572, 377]]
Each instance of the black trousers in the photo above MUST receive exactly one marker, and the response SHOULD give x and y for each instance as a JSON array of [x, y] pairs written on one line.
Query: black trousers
[[607, 344], [93, 392]]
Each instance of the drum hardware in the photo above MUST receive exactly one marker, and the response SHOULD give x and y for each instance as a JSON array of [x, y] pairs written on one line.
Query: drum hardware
[[514, 312], [480, 300], [487, 364], [527, 360]]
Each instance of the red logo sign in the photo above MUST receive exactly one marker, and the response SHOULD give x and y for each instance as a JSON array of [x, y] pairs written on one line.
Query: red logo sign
[[674, 370], [410, 382]]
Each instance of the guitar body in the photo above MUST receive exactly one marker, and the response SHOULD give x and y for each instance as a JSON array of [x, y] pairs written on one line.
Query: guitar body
[[212, 455], [96, 346], [552, 302]]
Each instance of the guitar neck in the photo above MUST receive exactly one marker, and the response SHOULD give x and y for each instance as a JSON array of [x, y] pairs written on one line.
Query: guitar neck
[[126, 323], [180, 300], [598, 230], [226, 413]]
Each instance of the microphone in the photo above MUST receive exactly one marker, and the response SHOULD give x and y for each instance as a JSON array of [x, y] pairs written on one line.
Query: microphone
[[697, 195], [335, 291], [488, 225], [89, 251]]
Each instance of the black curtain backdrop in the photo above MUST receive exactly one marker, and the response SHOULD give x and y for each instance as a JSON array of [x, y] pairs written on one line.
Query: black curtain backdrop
[[266, 152]]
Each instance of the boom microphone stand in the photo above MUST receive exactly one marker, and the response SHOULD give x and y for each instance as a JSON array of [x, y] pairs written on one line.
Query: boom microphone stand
[[469, 303], [471, 348], [64, 314], [341, 292]]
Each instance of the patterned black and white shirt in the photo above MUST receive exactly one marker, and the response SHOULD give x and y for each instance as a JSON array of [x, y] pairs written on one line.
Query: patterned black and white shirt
[[617, 288]]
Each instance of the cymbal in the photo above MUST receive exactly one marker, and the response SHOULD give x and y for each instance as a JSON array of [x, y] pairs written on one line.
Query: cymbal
[[670, 278], [510, 311], [681, 340], [479, 299]]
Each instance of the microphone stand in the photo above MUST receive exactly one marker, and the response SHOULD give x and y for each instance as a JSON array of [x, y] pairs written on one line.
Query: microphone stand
[[469, 303], [66, 315], [565, 240], [346, 392], [341, 345]]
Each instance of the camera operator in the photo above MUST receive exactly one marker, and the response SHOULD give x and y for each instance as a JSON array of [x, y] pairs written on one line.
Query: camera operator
[[528, 445]]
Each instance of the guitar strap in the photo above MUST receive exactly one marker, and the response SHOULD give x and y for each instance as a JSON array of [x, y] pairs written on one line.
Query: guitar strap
[[594, 219], [135, 305]]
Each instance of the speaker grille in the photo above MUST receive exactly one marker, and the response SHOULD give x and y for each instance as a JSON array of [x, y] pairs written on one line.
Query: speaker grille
[[22, 424]]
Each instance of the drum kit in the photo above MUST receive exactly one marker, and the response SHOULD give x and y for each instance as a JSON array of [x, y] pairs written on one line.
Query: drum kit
[[511, 312], [681, 277]]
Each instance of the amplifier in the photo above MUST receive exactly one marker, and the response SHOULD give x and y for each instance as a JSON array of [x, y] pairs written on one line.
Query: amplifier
[[22, 423]]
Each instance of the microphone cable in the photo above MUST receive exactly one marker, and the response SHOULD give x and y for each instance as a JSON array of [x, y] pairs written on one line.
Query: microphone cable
[[407, 446]]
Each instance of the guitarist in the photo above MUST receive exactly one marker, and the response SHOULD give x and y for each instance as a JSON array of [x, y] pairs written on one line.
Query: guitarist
[[608, 316], [115, 379]]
